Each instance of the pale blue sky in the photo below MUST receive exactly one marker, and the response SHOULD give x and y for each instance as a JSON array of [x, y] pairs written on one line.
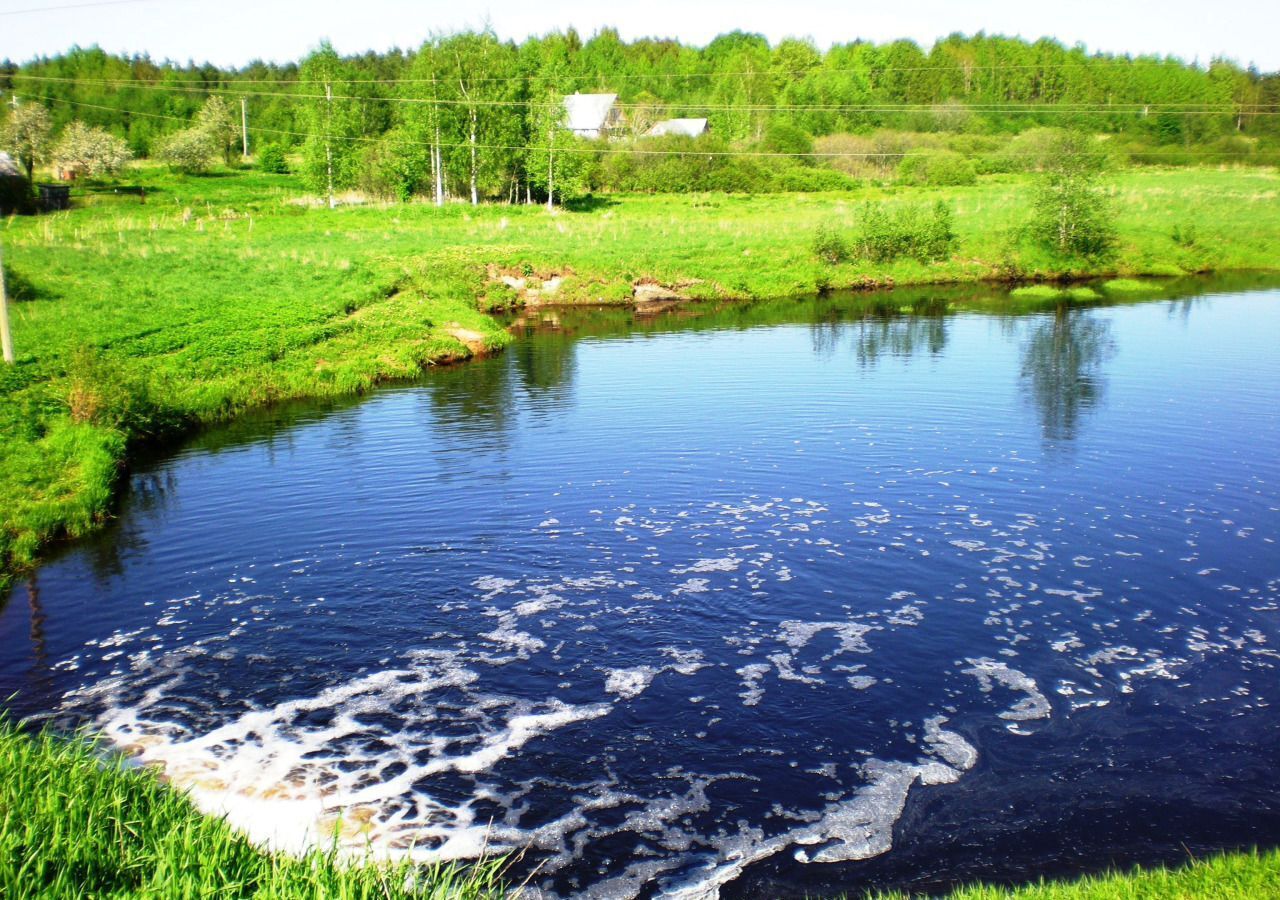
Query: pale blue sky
[[231, 32]]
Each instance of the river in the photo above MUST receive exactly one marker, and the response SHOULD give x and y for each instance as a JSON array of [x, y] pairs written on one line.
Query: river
[[793, 597]]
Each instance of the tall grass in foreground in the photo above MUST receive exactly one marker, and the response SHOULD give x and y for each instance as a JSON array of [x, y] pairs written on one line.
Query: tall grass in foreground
[[1231, 876], [75, 823]]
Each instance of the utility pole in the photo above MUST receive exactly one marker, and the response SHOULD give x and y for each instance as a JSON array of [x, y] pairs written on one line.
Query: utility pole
[[6, 338], [328, 138], [244, 127]]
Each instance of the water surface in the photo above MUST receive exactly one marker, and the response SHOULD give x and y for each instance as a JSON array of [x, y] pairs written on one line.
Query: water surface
[[758, 601]]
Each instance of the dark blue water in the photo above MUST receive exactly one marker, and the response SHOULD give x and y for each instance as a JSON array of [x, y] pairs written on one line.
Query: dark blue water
[[802, 597]]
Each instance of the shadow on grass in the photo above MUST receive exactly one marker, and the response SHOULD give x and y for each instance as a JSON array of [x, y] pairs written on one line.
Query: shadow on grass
[[590, 204]]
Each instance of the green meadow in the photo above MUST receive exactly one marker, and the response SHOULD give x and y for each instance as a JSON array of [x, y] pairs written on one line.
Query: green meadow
[[136, 320]]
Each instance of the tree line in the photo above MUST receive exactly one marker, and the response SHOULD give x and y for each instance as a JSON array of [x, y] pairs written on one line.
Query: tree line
[[469, 115]]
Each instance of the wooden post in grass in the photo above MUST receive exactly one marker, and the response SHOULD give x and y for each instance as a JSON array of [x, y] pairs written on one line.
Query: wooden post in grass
[[6, 338], [244, 127]]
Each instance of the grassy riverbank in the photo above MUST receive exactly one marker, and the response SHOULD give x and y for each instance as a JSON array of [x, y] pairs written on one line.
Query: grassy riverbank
[[1231, 876], [72, 825], [136, 321]]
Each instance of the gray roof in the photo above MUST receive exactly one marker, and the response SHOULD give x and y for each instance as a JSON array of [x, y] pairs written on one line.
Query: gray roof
[[8, 168], [686, 127], [588, 113]]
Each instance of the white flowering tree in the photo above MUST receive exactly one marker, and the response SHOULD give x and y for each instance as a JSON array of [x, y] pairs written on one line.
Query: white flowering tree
[[86, 150]]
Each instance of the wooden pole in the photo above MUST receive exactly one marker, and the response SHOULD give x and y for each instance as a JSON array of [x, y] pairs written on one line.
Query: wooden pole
[[244, 127], [6, 338], [328, 138]]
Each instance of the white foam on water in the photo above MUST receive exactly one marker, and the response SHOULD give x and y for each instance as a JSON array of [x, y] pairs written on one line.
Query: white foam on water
[[632, 682], [752, 675], [701, 566], [629, 683], [796, 634], [291, 784], [492, 585], [786, 669], [857, 827], [1035, 705]]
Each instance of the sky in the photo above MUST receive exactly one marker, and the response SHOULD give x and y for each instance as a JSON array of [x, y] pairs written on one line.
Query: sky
[[233, 32]]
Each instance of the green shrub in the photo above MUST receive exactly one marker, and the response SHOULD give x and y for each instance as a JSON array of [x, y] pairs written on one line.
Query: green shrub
[[805, 179], [394, 169], [1232, 149], [783, 137], [681, 165], [190, 151], [1071, 216], [103, 392], [914, 231], [271, 160], [1184, 235], [830, 246], [936, 168]]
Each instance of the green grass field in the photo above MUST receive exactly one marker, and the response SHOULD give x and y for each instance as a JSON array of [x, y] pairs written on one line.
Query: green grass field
[[135, 321]]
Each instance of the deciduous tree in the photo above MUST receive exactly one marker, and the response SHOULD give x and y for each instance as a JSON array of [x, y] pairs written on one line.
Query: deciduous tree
[[27, 135], [87, 150]]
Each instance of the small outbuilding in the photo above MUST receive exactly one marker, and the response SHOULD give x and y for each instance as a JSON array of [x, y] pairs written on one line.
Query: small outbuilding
[[593, 115], [683, 127], [14, 190]]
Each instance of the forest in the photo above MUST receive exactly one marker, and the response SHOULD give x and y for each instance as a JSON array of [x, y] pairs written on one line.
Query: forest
[[469, 115]]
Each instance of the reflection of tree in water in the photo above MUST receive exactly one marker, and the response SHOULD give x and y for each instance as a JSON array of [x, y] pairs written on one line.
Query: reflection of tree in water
[[904, 338], [39, 649], [1062, 363], [471, 412], [1181, 308], [877, 336], [545, 365], [150, 494]]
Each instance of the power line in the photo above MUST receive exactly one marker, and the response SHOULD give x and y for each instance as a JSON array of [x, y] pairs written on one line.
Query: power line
[[86, 5], [593, 149], [1144, 108], [953, 67]]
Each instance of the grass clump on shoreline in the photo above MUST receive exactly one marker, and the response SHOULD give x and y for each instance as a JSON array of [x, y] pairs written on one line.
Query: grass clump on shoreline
[[77, 823], [1049, 292], [1128, 287], [1249, 875]]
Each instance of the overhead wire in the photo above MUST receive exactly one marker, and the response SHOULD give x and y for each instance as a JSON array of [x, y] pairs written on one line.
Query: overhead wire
[[590, 149], [949, 67], [66, 6], [1144, 108]]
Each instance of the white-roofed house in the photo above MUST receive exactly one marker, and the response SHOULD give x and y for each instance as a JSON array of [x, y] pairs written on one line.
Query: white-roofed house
[[683, 127], [592, 115]]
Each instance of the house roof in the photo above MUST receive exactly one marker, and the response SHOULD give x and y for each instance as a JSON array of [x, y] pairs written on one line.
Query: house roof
[[8, 168], [686, 127], [588, 112]]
